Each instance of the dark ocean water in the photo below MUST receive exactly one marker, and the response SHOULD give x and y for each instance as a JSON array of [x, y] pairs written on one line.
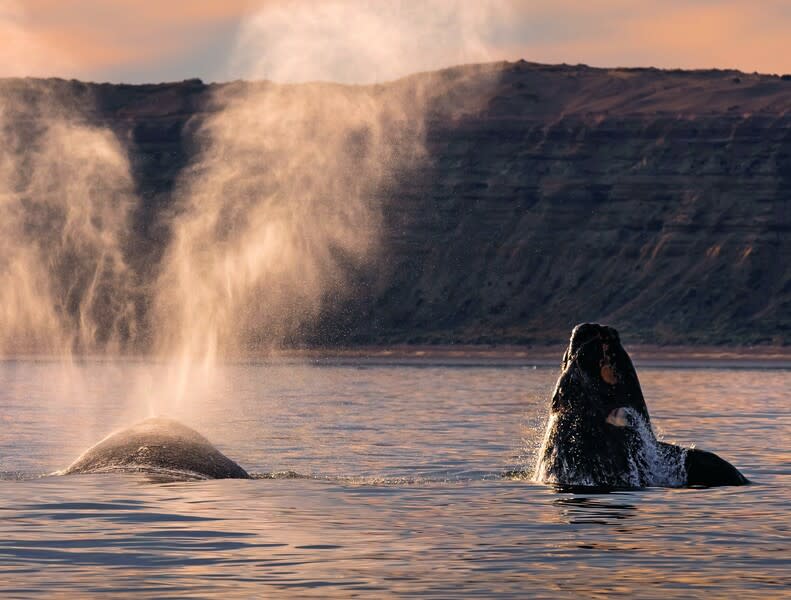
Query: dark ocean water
[[387, 482]]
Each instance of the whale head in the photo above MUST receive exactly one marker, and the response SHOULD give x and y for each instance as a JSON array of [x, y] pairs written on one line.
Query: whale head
[[599, 431], [597, 378]]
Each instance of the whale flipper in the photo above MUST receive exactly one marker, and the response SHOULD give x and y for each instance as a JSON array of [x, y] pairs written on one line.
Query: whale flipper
[[707, 469], [158, 446]]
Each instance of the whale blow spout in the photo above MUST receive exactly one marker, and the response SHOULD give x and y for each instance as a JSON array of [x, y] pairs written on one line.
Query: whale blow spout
[[157, 446], [599, 432]]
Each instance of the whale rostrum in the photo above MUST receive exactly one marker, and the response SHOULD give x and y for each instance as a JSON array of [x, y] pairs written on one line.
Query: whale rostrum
[[599, 433], [157, 446]]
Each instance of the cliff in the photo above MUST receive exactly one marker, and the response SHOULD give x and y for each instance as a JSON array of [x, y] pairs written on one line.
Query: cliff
[[655, 201]]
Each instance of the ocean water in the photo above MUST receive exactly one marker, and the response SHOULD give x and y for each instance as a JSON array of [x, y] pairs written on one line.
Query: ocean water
[[383, 480]]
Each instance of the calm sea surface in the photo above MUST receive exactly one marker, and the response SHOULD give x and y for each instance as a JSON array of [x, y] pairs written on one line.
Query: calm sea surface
[[388, 483]]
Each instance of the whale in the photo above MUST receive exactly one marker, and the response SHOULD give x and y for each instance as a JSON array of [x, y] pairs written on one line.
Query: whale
[[599, 432], [159, 447]]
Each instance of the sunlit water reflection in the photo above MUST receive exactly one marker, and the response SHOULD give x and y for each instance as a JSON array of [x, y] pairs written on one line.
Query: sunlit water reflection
[[399, 489]]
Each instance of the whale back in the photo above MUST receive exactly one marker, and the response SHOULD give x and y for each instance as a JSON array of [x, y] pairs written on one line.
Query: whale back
[[158, 446]]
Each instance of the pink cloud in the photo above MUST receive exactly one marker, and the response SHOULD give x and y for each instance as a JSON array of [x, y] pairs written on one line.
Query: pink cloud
[[670, 34], [80, 38], [84, 37]]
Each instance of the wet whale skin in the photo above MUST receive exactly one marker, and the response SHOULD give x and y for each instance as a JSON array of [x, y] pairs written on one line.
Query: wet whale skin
[[158, 445], [599, 432]]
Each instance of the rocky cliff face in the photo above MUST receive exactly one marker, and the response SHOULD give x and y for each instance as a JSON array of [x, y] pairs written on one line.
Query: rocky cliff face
[[656, 201]]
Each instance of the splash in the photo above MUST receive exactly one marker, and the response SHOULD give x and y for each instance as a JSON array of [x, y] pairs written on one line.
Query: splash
[[547, 454], [649, 463], [653, 463]]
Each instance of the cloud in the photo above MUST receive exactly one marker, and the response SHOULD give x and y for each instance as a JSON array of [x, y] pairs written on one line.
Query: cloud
[[689, 34], [23, 52], [93, 39], [145, 40], [742, 35]]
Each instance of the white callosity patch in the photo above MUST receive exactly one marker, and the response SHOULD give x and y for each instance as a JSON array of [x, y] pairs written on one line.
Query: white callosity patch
[[618, 417]]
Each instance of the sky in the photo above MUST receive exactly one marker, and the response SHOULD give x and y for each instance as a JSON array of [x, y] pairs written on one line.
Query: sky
[[139, 41]]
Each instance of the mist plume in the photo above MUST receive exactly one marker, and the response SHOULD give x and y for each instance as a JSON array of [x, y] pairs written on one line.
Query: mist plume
[[285, 194], [349, 41], [280, 200], [65, 192], [281, 203]]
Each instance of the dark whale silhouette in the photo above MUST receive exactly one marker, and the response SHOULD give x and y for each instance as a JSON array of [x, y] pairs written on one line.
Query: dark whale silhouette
[[599, 432], [160, 447]]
